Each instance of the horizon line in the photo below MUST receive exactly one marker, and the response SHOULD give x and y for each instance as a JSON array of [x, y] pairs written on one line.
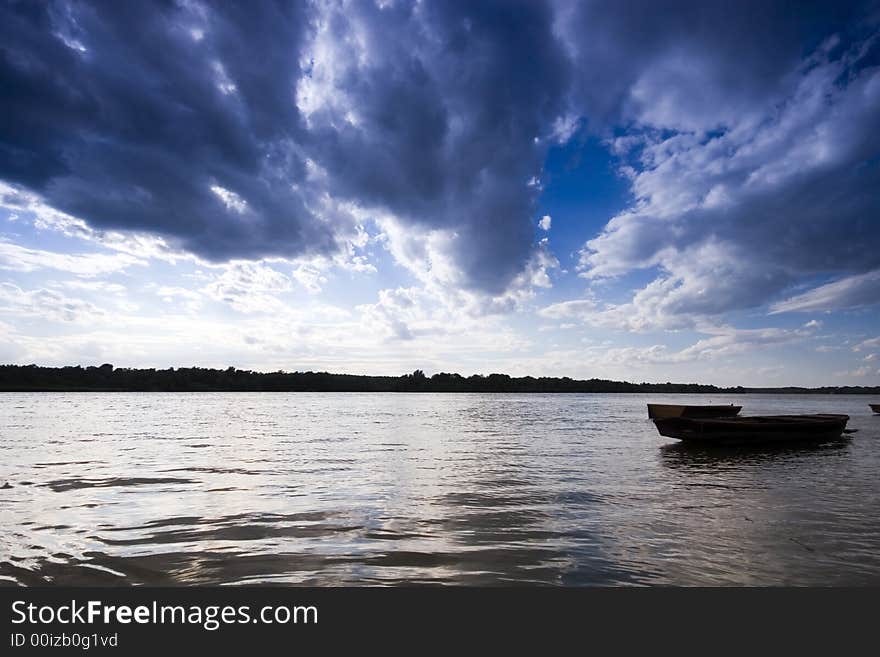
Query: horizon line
[[418, 377]]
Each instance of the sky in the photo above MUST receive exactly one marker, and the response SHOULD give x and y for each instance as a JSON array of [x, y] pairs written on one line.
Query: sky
[[682, 191]]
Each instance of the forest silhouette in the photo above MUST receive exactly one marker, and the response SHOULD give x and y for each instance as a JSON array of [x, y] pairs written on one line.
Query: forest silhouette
[[192, 379]]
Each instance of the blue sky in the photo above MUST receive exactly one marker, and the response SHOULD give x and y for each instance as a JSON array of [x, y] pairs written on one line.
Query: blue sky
[[677, 191]]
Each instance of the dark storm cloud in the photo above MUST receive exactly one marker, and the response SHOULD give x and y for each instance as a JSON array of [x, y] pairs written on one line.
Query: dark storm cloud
[[226, 126], [182, 119], [444, 107], [693, 63], [115, 113]]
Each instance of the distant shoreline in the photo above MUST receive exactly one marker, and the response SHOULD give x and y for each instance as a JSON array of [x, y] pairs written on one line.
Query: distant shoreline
[[106, 378]]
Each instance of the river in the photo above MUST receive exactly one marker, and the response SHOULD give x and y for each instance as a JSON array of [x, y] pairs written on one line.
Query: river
[[388, 489]]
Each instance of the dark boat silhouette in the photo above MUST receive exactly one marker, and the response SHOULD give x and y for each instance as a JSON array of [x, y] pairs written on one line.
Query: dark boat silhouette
[[875, 408], [684, 410], [756, 429]]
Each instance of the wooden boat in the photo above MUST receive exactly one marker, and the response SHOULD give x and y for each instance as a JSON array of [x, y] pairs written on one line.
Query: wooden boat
[[682, 410], [875, 407], [756, 429]]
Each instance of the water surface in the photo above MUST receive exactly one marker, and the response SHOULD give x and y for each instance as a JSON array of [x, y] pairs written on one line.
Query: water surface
[[385, 489]]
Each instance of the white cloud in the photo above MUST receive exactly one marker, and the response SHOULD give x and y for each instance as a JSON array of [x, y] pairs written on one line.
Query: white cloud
[[870, 343], [575, 309], [230, 199], [429, 256], [430, 327], [564, 127], [249, 287], [696, 286], [859, 372], [310, 277], [730, 342], [191, 300], [545, 222], [726, 342], [732, 218], [102, 287], [425, 253], [224, 84], [18, 258], [405, 313], [849, 292], [46, 304], [138, 245]]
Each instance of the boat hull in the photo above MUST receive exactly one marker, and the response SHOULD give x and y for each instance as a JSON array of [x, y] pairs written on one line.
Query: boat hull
[[684, 410], [751, 430], [875, 408]]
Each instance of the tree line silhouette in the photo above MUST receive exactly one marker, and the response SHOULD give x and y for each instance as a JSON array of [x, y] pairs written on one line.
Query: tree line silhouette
[[192, 379]]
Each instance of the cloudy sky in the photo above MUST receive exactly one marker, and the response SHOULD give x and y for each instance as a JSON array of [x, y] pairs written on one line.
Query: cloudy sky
[[684, 191]]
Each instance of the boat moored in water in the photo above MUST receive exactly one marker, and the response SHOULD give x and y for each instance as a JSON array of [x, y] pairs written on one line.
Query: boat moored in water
[[685, 410], [756, 429], [875, 408]]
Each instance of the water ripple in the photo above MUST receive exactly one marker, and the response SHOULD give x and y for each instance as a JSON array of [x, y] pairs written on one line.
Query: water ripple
[[385, 489]]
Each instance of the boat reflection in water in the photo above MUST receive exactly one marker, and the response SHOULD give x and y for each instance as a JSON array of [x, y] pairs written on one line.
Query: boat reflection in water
[[712, 459]]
